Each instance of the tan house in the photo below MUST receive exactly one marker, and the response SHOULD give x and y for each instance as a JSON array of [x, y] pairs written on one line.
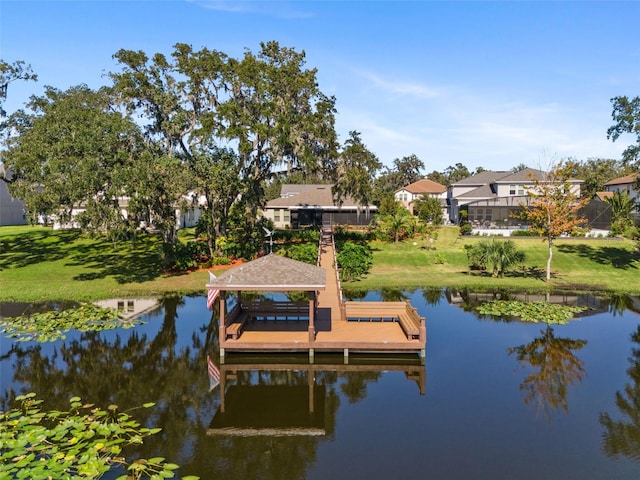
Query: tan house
[[314, 205], [424, 187]]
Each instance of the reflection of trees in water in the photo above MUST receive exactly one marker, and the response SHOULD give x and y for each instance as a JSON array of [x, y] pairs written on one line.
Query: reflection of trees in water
[[134, 368], [432, 295], [622, 437], [352, 295], [618, 303], [471, 300], [393, 295], [555, 368]]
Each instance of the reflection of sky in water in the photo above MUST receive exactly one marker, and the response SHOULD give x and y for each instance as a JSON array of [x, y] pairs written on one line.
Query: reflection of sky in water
[[472, 421]]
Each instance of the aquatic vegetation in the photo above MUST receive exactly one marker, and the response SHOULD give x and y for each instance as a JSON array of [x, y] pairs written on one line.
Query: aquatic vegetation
[[550, 313], [82, 442], [52, 325]]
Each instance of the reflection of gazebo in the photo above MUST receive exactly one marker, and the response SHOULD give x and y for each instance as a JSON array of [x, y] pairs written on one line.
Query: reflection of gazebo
[[286, 406], [271, 273]]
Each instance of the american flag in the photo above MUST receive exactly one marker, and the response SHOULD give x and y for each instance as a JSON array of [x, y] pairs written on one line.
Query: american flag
[[211, 297], [212, 294], [214, 373]]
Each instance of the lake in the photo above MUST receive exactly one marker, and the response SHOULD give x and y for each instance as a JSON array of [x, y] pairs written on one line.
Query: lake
[[495, 399]]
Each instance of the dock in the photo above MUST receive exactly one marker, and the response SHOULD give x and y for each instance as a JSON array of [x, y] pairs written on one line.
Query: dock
[[321, 323]]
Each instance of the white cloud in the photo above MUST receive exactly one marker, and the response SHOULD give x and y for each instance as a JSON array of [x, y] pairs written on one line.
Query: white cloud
[[399, 88], [279, 9]]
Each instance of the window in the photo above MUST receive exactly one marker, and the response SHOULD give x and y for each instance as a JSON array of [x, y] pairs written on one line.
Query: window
[[286, 217], [520, 189], [512, 189], [276, 215], [488, 215]]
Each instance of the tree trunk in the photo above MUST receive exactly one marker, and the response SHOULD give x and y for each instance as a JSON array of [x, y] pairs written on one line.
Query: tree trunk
[[550, 240]]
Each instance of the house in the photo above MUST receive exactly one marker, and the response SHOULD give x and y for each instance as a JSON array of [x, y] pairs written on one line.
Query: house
[[489, 197], [424, 187], [300, 205], [625, 184], [12, 211]]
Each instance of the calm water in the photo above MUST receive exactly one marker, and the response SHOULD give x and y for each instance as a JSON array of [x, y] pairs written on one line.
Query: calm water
[[495, 399]]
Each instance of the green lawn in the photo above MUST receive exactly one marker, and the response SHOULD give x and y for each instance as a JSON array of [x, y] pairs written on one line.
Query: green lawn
[[39, 264], [580, 264]]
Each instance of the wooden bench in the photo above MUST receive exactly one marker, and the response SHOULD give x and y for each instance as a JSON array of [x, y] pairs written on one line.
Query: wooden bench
[[410, 324], [235, 322], [267, 310], [381, 311]]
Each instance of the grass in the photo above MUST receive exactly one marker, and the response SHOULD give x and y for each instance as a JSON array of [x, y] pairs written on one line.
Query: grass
[[578, 264], [38, 264]]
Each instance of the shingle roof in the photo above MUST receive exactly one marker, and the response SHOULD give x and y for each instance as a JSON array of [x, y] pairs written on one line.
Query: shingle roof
[[623, 180], [524, 175], [309, 196], [425, 185], [481, 192], [482, 178], [604, 195], [271, 273]]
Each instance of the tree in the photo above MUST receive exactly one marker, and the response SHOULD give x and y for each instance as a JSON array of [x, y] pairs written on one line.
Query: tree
[[622, 206], [398, 224], [10, 72], [595, 172], [501, 255], [428, 210], [553, 207], [357, 167], [216, 178], [69, 152], [452, 174], [268, 105], [438, 177], [408, 169], [626, 115], [455, 173]]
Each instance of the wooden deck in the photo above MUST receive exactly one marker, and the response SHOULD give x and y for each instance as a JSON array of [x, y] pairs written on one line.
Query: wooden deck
[[335, 331]]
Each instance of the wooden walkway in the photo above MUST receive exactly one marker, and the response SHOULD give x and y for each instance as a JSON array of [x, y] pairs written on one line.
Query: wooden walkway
[[334, 330]]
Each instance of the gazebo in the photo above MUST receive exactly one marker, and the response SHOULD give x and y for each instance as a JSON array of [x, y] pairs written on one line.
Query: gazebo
[[271, 273]]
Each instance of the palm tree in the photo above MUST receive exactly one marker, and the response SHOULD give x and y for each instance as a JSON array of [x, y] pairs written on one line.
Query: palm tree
[[501, 255], [622, 205], [397, 223]]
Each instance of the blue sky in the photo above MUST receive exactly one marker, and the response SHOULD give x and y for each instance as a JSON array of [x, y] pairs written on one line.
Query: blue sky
[[491, 84]]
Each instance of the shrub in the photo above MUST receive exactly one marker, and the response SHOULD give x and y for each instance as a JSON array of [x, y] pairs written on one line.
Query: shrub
[[304, 252], [523, 233], [354, 260], [500, 255]]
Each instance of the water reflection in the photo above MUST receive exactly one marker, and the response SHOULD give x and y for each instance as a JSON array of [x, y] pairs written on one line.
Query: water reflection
[[274, 413], [554, 369], [622, 437]]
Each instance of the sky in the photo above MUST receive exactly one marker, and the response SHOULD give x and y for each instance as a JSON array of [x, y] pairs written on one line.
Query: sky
[[485, 84]]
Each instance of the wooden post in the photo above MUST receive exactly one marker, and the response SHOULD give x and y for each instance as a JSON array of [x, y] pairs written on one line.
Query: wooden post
[[223, 328], [223, 378], [312, 318]]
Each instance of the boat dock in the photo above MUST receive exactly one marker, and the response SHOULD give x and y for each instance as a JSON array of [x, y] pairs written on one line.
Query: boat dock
[[323, 322]]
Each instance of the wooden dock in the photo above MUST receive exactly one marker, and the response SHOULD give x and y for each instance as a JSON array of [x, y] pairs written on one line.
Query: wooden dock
[[330, 325]]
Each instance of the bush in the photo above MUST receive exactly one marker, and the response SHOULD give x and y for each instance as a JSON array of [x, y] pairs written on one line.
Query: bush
[[304, 252], [354, 260], [523, 233]]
